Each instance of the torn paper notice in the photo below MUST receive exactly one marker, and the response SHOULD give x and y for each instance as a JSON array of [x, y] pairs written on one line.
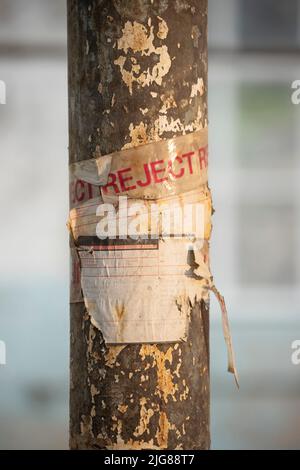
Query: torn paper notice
[[135, 289], [140, 221], [138, 292]]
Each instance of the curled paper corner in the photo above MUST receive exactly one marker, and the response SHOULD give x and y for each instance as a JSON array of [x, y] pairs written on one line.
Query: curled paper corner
[[227, 335], [94, 171]]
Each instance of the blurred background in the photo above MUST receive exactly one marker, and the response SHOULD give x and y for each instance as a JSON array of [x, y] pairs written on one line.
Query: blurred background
[[254, 174]]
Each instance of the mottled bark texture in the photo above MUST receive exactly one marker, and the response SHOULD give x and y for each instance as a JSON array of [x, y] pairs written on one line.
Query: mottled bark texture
[[137, 74]]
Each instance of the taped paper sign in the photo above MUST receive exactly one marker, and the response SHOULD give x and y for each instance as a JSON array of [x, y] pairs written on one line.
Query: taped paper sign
[[186, 215], [140, 221], [151, 171]]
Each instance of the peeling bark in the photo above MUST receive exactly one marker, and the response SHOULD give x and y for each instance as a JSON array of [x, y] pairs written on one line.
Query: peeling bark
[[137, 74]]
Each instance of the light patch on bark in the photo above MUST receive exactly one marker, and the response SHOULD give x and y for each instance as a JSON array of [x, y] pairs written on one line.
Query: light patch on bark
[[168, 103], [165, 386], [183, 396], [112, 354], [142, 133], [163, 431], [138, 135], [137, 38], [162, 28], [123, 408], [145, 416], [197, 88]]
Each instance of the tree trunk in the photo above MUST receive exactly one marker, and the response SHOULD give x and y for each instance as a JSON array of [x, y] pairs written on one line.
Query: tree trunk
[[121, 99]]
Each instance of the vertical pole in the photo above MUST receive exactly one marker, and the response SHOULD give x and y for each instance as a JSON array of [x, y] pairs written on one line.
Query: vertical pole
[[137, 74]]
